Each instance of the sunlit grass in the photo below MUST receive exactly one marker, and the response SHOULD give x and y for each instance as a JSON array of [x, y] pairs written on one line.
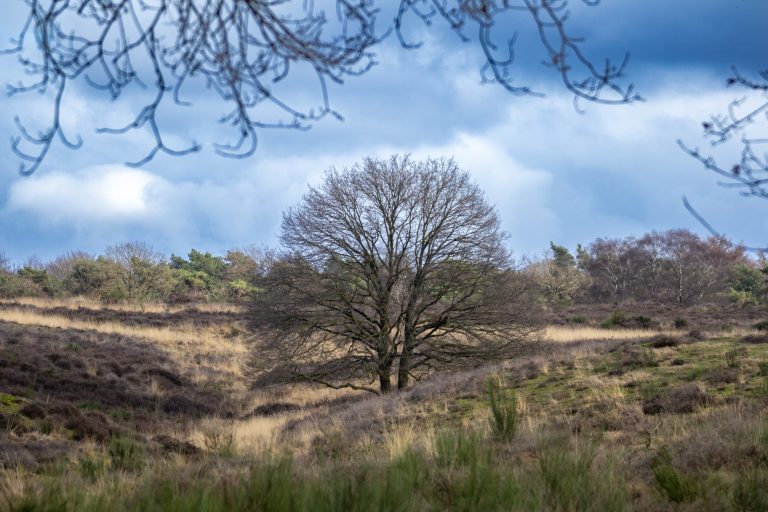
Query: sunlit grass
[[566, 334], [183, 340], [147, 307]]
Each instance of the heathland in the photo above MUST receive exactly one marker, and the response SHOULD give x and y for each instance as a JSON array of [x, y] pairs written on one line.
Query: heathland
[[630, 407]]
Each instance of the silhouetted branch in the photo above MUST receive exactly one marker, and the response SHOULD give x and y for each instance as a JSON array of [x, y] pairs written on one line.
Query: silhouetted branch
[[750, 172], [242, 49]]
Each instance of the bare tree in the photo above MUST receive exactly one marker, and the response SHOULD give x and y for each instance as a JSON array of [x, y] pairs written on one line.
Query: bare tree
[[698, 267], [389, 266], [242, 49], [613, 266], [125, 253], [676, 265], [5, 263], [61, 266]]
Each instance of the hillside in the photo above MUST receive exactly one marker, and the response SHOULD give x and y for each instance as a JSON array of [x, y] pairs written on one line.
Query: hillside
[[106, 409]]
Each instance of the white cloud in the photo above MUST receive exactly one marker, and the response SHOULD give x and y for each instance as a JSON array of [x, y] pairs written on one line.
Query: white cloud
[[98, 195]]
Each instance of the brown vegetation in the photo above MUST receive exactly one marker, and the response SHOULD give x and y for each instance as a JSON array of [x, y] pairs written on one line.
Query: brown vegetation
[[72, 398]]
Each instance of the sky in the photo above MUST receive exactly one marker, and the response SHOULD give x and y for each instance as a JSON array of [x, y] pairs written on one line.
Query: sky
[[554, 174]]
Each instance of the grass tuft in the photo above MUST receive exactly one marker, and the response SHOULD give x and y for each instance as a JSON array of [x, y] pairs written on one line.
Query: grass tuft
[[505, 410]]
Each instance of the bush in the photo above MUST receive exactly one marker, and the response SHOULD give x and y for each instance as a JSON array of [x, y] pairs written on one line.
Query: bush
[[681, 323], [642, 321], [761, 326], [755, 339], [742, 298], [662, 341], [126, 454], [578, 319], [617, 319], [682, 399], [505, 411]]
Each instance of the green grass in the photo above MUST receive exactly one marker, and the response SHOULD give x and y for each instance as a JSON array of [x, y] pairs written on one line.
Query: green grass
[[464, 475], [505, 410]]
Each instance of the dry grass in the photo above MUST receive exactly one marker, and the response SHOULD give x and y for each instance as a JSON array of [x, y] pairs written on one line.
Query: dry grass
[[566, 334], [184, 342], [147, 307]]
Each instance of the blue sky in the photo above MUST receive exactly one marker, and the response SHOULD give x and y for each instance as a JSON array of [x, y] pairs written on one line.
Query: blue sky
[[553, 174]]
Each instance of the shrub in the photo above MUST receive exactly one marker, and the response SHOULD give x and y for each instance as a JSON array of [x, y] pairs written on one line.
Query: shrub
[[661, 341], [682, 399], [505, 411], [220, 441], [762, 368], [761, 326], [755, 339], [696, 373], [617, 319], [126, 454], [722, 376], [742, 298], [671, 483], [680, 323], [579, 319], [642, 321], [635, 358]]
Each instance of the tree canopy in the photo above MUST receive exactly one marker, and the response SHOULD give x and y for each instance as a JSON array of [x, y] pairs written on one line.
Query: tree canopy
[[390, 266]]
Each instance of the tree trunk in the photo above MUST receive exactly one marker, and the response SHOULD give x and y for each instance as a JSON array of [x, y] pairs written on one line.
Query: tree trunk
[[385, 384], [406, 354], [404, 366]]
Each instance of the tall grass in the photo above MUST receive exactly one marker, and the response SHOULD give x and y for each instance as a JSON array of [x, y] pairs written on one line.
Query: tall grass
[[463, 475]]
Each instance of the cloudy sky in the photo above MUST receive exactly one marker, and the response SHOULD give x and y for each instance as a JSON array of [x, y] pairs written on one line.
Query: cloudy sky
[[553, 174]]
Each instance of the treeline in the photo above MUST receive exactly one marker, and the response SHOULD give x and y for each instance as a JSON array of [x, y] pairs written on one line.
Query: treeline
[[675, 266], [134, 272]]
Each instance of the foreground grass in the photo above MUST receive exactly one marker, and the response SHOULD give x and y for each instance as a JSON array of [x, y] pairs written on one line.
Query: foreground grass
[[461, 471]]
